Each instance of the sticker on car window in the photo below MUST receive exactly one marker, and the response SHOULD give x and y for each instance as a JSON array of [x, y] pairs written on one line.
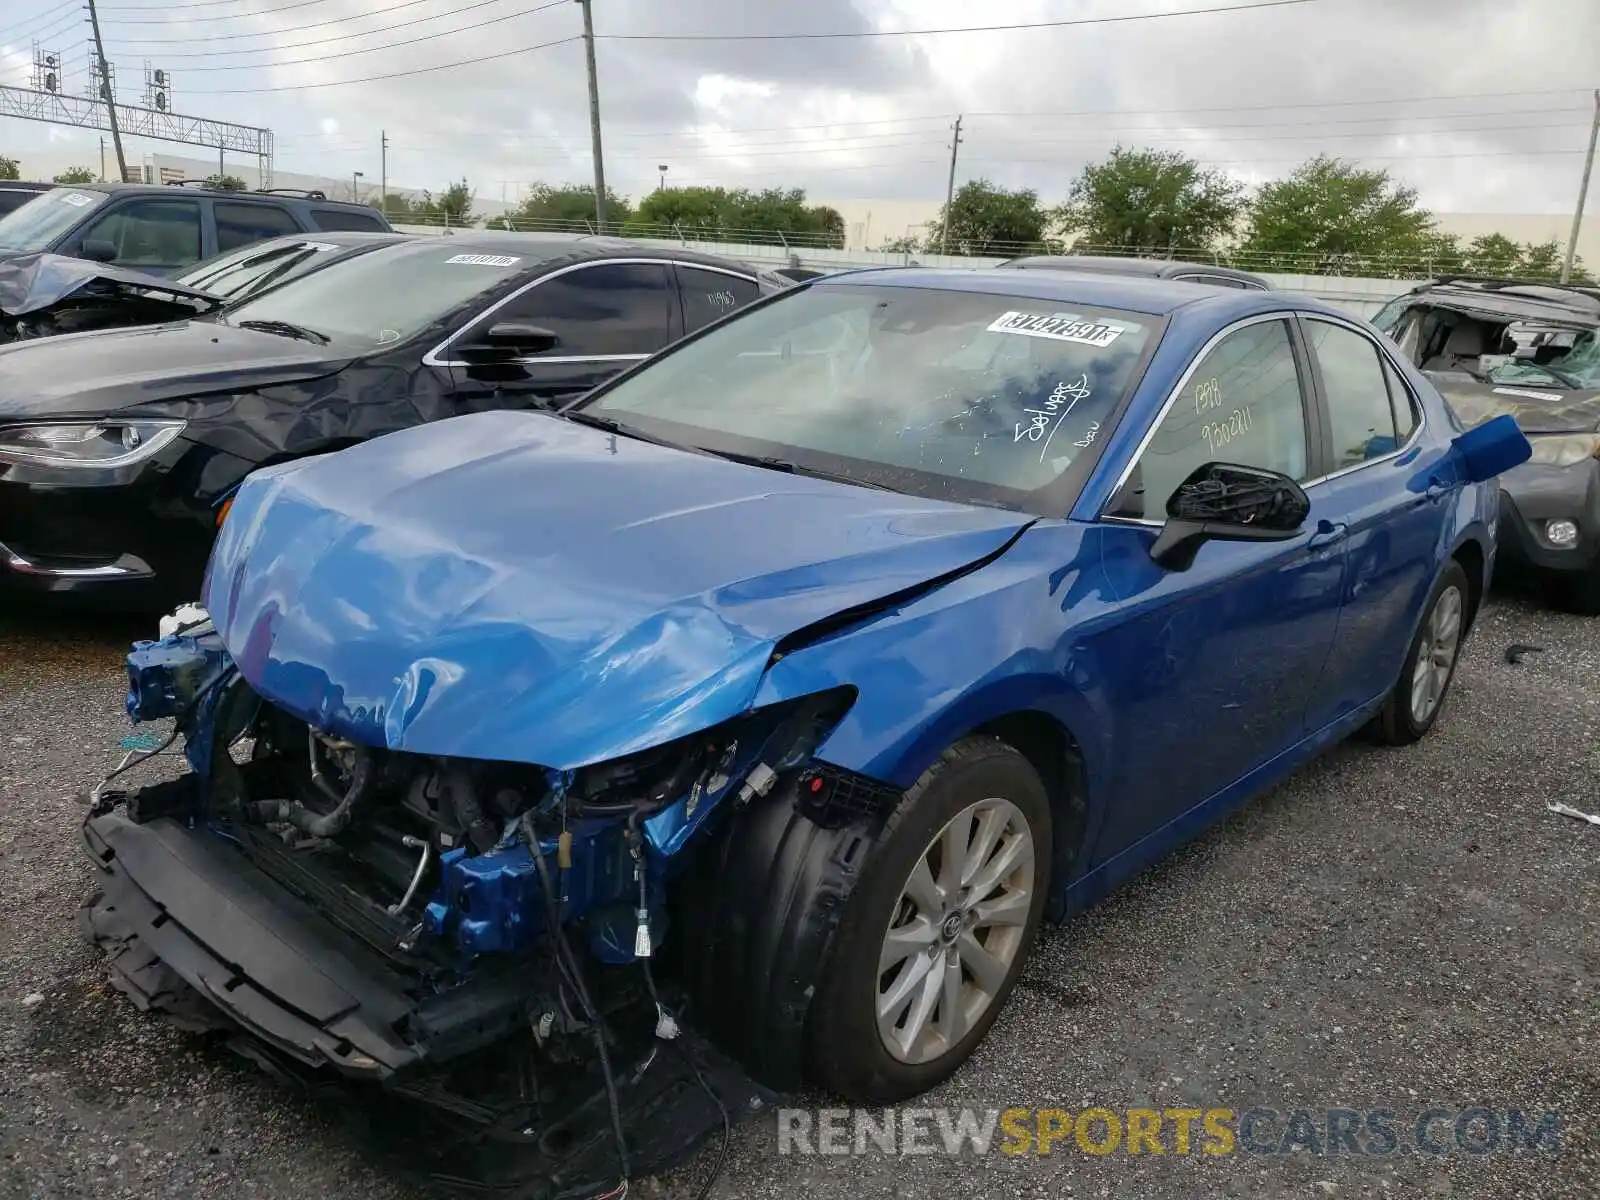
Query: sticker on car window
[[319, 247], [1060, 327], [484, 260], [76, 199]]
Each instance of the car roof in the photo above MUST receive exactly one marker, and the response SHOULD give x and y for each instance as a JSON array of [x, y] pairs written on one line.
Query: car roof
[[546, 246], [26, 185], [168, 189], [1515, 300], [332, 237], [1134, 293], [1153, 267]]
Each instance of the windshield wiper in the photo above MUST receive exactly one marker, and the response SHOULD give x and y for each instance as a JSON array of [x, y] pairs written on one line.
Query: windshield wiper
[[612, 425], [287, 329], [770, 462]]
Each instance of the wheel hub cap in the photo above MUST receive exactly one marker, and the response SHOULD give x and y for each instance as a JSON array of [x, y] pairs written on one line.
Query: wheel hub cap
[[955, 931]]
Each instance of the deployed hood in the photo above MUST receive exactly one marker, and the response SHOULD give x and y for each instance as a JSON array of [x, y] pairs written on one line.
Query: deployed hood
[[89, 374], [1537, 409], [517, 587], [35, 281]]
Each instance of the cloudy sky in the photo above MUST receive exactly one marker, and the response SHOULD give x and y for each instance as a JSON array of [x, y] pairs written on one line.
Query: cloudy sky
[[1481, 104]]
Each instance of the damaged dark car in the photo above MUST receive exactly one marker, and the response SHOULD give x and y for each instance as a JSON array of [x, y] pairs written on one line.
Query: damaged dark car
[[43, 295], [119, 448], [585, 778], [1495, 347]]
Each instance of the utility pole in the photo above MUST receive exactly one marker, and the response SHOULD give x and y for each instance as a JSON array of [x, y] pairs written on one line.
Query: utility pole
[[102, 158], [950, 191], [594, 119], [111, 100], [383, 170], [1583, 191]]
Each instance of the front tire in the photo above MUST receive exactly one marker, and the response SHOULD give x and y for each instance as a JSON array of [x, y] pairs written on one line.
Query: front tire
[[1430, 663], [938, 929]]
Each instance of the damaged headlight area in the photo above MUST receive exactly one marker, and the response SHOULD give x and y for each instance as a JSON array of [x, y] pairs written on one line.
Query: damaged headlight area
[[105, 444], [413, 919]]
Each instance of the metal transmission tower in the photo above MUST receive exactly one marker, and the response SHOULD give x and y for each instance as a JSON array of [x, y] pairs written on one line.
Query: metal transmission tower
[[46, 76]]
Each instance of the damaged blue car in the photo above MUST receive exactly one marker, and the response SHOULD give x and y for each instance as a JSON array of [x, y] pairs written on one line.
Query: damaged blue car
[[586, 778]]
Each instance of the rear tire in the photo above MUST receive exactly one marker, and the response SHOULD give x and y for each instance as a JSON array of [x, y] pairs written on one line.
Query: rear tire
[[1430, 663], [938, 928]]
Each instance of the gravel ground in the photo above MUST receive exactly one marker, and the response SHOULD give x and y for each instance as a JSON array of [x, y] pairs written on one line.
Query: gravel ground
[[1389, 929]]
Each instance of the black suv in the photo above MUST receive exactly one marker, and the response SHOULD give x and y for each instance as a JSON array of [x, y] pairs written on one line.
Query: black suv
[[163, 229], [14, 193]]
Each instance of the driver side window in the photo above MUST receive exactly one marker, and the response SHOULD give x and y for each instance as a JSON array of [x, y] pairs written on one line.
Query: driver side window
[[1242, 404]]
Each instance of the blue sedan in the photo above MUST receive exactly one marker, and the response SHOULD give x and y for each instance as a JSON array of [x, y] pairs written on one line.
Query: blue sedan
[[819, 659]]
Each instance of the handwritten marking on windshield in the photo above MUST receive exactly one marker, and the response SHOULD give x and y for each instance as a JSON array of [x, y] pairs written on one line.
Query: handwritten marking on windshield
[[1043, 421], [1059, 327], [1207, 396], [1088, 437]]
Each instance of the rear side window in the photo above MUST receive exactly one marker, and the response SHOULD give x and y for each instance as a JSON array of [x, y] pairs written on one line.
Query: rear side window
[[241, 224], [344, 220], [150, 233], [1404, 405], [1358, 394], [610, 308], [711, 295]]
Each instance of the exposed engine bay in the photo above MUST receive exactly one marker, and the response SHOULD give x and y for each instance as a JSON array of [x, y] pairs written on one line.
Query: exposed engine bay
[[43, 295], [476, 936]]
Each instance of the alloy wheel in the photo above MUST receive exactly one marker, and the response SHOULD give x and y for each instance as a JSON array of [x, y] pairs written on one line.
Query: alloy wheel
[[955, 931], [1436, 654]]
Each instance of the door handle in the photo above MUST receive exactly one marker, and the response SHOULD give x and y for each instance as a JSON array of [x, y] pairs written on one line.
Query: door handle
[[1437, 488], [1328, 533]]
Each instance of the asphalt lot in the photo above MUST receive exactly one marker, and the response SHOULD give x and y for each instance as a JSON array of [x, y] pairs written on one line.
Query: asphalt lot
[[1390, 929]]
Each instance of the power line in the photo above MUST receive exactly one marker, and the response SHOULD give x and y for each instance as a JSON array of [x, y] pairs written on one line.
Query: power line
[[427, 37], [271, 33], [450, 66], [38, 19], [165, 56], [1167, 112], [884, 33], [264, 12]]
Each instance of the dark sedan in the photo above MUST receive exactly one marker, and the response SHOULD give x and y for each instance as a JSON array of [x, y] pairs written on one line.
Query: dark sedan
[[119, 448]]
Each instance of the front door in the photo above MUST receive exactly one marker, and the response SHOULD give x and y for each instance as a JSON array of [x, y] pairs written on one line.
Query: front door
[[1211, 667], [606, 316]]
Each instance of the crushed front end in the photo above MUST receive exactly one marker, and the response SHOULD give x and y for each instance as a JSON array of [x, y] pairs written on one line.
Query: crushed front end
[[475, 936]]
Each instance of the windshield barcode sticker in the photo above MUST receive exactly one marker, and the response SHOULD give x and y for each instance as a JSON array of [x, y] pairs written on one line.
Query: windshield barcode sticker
[[484, 260], [76, 199], [1060, 327], [319, 247]]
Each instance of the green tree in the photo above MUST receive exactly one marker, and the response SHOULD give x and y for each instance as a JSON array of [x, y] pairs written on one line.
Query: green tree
[[76, 175], [779, 215], [1150, 200], [9, 168], [1332, 216], [1491, 254], [685, 208], [568, 205], [225, 183], [455, 203], [986, 219], [451, 207]]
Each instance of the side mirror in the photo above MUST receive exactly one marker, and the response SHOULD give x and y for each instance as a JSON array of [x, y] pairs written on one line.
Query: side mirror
[[508, 340], [97, 250], [1492, 448], [1228, 503]]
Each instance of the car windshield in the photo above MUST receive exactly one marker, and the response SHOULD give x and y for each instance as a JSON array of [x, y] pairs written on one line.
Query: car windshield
[[232, 273], [384, 296], [46, 217], [950, 394], [1579, 367]]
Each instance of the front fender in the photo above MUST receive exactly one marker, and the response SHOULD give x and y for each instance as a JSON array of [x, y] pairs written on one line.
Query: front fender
[[993, 643]]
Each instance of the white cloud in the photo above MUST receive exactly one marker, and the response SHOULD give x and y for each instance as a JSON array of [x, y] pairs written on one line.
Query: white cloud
[[1253, 93]]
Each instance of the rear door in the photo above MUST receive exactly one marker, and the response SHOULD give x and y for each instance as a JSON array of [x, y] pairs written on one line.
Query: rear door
[[156, 233], [242, 223], [1392, 492], [606, 315]]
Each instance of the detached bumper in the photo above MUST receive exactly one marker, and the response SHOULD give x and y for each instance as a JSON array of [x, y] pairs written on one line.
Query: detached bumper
[[262, 961], [1531, 496]]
